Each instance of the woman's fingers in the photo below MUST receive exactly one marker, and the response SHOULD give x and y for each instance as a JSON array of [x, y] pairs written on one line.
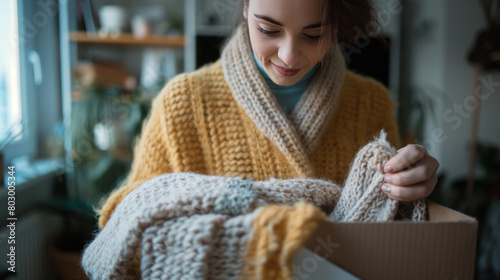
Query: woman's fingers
[[411, 192], [423, 171], [407, 157], [411, 174]]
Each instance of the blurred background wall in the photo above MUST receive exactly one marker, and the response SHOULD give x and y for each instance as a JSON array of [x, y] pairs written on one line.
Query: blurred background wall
[[86, 84]]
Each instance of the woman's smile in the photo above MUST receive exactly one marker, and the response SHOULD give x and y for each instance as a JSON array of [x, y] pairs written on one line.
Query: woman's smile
[[287, 37], [287, 72]]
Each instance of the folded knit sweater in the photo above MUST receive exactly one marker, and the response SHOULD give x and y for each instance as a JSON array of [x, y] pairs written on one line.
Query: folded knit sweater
[[192, 226], [223, 120]]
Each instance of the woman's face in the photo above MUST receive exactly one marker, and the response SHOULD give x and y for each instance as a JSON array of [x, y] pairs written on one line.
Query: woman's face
[[286, 37]]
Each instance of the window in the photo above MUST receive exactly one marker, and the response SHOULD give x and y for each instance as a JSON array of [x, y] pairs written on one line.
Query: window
[[10, 93]]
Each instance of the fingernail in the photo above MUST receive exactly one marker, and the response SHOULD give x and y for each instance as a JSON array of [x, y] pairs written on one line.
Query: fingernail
[[388, 179], [388, 169], [386, 188]]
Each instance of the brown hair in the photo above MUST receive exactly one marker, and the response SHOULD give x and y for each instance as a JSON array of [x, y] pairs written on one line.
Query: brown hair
[[345, 16]]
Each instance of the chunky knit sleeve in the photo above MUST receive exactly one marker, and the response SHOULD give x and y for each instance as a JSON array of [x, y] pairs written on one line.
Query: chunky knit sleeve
[[150, 152], [382, 114]]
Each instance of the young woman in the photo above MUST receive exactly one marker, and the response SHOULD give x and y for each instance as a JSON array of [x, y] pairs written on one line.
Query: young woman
[[278, 104]]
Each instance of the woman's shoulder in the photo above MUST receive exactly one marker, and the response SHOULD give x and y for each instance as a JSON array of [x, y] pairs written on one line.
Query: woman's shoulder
[[365, 92], [371, 102], [361, 83], [186, 83], [360, 88], [209, 70]]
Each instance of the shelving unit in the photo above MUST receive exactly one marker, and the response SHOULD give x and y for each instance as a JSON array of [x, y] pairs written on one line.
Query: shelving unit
[[204, 27], [118, 49], [127, 39]]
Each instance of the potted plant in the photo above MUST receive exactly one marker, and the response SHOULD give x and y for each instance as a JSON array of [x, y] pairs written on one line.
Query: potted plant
[[105, 120], [12, 132]]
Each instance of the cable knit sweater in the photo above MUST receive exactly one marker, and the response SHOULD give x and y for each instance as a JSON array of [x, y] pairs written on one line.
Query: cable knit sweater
[[192, 226], [257, 177], [223, 120]]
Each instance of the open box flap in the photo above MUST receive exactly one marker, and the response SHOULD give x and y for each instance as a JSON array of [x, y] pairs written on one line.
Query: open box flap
[[443, 248]]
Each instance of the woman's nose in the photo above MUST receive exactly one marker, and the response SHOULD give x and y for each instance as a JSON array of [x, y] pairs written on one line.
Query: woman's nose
[[289, 53]]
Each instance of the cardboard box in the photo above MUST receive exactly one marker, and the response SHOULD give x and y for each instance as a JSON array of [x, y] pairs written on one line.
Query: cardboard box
[[442, 248]]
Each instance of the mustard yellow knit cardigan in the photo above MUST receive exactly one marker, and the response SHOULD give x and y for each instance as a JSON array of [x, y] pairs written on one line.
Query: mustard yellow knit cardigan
[[197, 125]]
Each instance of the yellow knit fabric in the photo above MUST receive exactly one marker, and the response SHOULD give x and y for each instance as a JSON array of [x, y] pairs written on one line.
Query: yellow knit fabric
[[196, 125], [278, 232]]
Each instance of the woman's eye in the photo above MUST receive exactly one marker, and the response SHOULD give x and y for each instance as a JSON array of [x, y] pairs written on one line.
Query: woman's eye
[[313, 37], [267, 32]]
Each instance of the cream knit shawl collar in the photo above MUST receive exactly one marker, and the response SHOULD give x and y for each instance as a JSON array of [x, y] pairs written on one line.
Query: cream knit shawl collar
[[295, 135]]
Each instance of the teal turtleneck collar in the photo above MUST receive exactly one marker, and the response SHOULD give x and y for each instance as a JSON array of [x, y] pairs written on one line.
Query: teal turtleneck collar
[[287, 96]]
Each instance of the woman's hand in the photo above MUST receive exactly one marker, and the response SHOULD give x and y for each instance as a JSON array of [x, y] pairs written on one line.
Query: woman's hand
[[411, 174]]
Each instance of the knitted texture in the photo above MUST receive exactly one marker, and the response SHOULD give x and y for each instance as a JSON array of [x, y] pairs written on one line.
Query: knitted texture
[[364, 200], [209, 123], [185, 221], [295, 138], [278, 232], [192, 226]]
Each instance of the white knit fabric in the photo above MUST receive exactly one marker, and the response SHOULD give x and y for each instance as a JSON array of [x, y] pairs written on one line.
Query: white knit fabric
[[191, 226]]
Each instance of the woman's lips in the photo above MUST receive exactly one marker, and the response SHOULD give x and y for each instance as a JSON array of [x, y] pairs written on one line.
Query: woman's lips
[[285, 71]]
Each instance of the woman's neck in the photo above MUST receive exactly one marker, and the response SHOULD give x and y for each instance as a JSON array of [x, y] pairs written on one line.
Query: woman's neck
[[304, 82], [287, 96]]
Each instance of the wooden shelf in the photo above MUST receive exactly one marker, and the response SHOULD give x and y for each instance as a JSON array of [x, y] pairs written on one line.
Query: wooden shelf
[[128, 39]]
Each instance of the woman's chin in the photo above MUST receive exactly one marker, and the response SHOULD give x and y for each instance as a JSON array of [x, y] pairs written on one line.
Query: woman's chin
[[285, 81]]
